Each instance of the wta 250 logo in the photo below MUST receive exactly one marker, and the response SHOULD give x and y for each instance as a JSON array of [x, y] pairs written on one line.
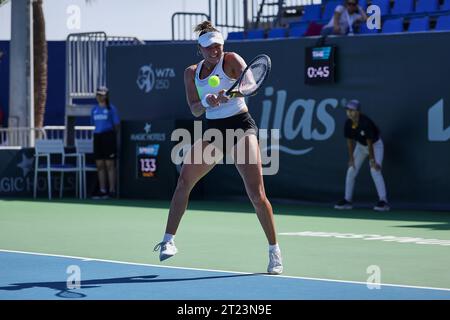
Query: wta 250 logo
[[150, 78]]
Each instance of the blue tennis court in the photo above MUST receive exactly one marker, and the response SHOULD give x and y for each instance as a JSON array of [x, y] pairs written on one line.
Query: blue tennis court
[[40, 276]]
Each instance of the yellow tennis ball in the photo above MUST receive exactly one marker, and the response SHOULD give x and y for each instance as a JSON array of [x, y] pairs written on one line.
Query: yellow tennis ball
[[214, 81]]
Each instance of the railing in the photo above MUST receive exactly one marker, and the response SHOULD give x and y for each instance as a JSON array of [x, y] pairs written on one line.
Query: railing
[[237, 15], [86, 62], [16, 138], [58, 132], [183, 24], [85, 72], [231, 15], [19, 137]]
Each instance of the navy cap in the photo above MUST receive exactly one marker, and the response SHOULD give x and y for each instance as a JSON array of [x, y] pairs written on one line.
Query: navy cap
[[353, 105]]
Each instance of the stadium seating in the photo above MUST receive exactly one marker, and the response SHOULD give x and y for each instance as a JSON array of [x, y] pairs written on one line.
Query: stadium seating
[[446, 5], [403, 7], [255, 34], [427, 6], [236, 35], [419, 24], [364, 30], [298, 32], [362, 4], [312, 13], [384, 6], [443, 23], [393, 26], [277, 33], [419, 15]]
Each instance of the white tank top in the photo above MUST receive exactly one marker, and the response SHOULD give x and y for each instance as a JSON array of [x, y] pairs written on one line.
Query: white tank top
[[224, 110]]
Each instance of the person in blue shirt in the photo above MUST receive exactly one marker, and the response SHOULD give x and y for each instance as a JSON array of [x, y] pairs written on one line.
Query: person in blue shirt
[[106, 120]]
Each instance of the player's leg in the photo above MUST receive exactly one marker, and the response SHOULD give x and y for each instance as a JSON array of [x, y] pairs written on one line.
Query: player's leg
[[251, 172], [377, 176], [193, 169]]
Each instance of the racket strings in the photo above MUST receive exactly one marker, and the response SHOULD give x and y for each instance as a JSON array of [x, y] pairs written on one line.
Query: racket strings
[[254, 77]]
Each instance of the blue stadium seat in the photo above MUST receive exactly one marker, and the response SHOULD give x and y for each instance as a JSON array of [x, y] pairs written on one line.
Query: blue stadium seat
[[446, 5], [329, 9], [298, 32], [364, 30], [427, 5], [384, 6], [393, 26], [236, 35], [277, 33], [312, 13], [297, 24], [255, 34], [443, 23], [403, 7], [419, 24], [363, 4]]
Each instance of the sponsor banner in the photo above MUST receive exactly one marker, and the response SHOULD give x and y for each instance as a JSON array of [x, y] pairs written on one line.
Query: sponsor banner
[[17, 176]]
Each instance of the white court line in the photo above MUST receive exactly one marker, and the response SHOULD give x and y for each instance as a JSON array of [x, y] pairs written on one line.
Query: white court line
[[223, 271]]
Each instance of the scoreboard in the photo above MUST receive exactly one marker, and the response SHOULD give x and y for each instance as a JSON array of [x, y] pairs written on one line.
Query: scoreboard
[[320, 65], [147, 161]]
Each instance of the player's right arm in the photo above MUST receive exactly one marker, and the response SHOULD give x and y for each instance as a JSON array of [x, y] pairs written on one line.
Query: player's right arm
[[351, 148], [192, 97]]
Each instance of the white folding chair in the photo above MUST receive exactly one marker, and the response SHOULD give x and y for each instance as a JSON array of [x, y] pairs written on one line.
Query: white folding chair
[[83, 147], [47, 148]]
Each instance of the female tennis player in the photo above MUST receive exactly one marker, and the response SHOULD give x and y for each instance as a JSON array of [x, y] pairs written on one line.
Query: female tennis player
[[222, 112]]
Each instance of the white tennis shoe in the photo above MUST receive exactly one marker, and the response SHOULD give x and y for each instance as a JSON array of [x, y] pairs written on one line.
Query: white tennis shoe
[[167, 250], [275, 262]]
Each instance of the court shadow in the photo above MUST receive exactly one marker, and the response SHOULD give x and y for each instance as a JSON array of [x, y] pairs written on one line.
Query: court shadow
[[436, 226], [65, 292]]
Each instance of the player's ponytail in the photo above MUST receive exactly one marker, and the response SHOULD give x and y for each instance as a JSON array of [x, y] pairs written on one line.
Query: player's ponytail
[[204, 27]]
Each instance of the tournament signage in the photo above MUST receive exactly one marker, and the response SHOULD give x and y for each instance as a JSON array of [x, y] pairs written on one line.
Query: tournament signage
[[17, 176]]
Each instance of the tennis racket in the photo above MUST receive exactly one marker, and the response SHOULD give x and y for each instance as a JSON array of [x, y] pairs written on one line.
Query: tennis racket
[[253, 77]]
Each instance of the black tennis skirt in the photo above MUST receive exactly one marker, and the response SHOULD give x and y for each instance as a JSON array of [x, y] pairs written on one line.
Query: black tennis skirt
[[242, 121]]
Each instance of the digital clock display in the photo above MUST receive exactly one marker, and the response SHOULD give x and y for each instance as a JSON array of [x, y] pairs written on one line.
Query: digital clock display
[[320, 65]]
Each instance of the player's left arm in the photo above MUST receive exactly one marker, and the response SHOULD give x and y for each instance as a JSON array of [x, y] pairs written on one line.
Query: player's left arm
[[234, 65]]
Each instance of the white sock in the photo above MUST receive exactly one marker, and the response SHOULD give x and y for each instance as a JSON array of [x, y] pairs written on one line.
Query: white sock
[[274, 247], [168, 237]]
